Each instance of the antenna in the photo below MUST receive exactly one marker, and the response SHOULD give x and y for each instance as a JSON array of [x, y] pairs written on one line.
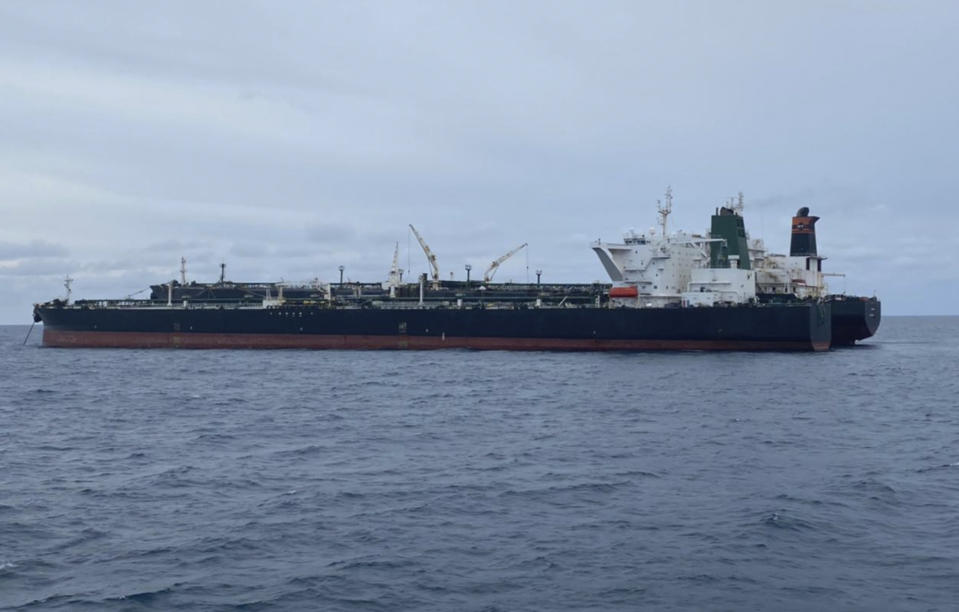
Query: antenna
[[739, 204], [67, 282], [665, 210], [183, 270]]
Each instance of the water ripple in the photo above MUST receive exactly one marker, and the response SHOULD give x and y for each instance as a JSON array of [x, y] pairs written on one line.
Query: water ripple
[[301, 480]]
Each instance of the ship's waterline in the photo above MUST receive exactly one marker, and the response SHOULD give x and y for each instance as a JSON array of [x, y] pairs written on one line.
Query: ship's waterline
[[68, 339]]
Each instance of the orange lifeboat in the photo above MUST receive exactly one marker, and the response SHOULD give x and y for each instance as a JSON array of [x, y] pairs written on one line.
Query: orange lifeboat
[[623, 292]]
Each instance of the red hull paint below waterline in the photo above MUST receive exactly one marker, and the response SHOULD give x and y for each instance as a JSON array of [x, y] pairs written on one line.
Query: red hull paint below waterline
[[98, 339]]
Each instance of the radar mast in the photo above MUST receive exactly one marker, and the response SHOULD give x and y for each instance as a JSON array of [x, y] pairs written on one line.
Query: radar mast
[[665, 210]]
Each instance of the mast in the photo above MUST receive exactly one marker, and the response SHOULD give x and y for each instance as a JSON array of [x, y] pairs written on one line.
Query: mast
[[396, 274], [665, 210]]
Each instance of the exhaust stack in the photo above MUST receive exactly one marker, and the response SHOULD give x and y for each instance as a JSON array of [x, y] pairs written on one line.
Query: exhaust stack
[[803, 234]]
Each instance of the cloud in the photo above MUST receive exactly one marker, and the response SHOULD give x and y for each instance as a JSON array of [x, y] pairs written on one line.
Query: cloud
[[289, 140], [32, 249], [174, 246], [35, 267], [331, 233]]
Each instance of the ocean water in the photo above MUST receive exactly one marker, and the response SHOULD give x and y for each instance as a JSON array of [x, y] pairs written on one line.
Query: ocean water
[[460, 480]]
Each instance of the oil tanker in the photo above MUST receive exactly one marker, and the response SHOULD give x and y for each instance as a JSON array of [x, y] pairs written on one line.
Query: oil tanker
[[716, 290]]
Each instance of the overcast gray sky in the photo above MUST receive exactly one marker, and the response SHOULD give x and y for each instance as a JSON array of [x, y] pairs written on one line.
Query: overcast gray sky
[[287, 138]]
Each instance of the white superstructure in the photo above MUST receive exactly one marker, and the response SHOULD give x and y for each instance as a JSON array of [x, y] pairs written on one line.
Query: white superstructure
[[652, 270], [659, 269], [798, 275], [714, 286]]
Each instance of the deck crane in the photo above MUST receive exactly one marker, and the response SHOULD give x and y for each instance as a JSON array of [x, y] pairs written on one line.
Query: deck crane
[[429, 256], [488, 275]]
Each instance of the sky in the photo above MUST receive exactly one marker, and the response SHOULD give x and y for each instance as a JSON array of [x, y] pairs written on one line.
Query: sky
[[289, 138]]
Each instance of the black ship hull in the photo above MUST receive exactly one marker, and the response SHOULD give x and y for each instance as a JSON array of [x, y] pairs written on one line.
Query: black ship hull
[[853, 318], [798, 326]]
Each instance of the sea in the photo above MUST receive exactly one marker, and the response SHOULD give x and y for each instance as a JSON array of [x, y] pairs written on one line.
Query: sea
[[482, 481]]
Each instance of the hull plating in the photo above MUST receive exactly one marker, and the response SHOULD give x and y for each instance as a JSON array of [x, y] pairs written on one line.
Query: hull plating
[[780, 327], [80, 339], [854, 319]]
